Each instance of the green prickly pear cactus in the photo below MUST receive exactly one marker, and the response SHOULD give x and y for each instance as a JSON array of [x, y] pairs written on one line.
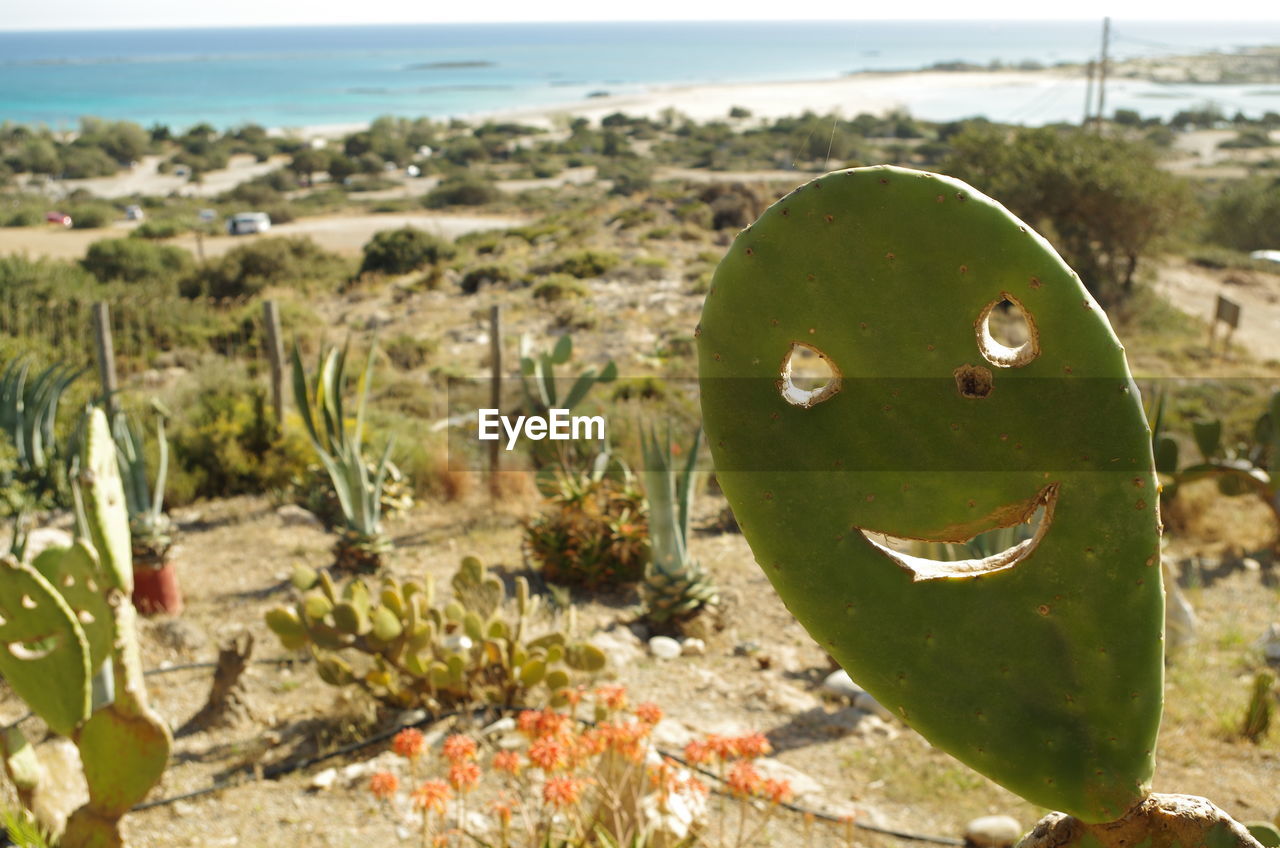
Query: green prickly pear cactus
[[64, 615], [1039, 666]]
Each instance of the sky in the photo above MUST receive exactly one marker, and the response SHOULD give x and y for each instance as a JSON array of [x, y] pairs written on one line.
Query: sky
[[130, 14]]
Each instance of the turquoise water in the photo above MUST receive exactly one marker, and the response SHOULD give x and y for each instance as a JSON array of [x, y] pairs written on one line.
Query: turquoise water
[[324, 75]]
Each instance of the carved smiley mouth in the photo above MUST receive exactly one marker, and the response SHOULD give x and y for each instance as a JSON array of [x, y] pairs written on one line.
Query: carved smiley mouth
[[922, 568]]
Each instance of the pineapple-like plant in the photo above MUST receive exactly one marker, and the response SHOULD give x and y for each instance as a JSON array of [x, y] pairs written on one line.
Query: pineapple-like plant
[[594, 530], [676, 588], [357, 484], [149, 525]]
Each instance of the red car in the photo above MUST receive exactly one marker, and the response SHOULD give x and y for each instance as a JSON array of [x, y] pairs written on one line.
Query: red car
[[59, 218]]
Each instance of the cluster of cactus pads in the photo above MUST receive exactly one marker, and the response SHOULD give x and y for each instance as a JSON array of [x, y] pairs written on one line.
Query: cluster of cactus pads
[[1039, 666], [63, 617], [415, 652]]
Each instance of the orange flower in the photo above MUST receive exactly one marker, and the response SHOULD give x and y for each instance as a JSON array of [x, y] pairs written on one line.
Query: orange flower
[[624, 738], [723, 747], [508, 761], [574, 696], [562, 792], [777, 791], [613, 696], [548, 753], [744, 778], [699, 752], [535, 723], [464, 775], [383, 785], [501, 808], [432, 795], [752, 745], [458, 748], [409, 743], [649, 712]]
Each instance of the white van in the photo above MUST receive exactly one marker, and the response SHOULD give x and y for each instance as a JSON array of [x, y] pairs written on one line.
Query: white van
[[244, 223]]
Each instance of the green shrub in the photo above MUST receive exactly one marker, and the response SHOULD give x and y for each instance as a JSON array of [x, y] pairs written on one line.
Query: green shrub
[[404, 250], [486, 275], [1247, 215], [91, 217], [134, 260], [245, 271], [558, 287], [229, 445], [408, 352], [593, 533], [584, 264], [462, 190], [161, 228]]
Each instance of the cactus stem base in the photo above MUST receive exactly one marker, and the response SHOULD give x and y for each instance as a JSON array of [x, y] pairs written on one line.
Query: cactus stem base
[[1159, 821]]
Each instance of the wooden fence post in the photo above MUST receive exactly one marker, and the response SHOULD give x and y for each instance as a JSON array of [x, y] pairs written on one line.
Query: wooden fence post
[[275, 353], [495, 391], [106, 356]]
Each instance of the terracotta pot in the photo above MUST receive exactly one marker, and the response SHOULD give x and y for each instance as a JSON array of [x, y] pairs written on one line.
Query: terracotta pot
[[155, 590]]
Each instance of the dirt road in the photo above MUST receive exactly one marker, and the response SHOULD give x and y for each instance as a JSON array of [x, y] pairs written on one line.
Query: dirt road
[[1194, 290], [342, 234]]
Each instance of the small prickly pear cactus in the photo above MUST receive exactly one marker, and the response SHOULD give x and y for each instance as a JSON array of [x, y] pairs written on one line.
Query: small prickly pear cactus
[[64, 615], [1040, 665], [411, 652]]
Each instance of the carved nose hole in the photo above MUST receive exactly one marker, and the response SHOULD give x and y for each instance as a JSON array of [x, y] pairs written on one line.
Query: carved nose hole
[[1007, 336], [807, 376]]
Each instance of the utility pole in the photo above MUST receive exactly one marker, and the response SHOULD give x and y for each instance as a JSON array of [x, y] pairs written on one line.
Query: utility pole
[[1088, 92], [1102, 72]]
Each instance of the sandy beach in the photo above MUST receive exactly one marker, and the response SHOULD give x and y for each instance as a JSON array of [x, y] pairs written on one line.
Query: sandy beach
[[847, 95]]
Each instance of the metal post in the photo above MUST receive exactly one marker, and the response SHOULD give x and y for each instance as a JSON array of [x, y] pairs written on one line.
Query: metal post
[[106, 356], [275, 353], [495, 391]]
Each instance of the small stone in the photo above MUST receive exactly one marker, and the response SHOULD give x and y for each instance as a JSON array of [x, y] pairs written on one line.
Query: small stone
[[292, 515], [619, 646], [640, 630], [324, 779], [664, 647], [785, 698], [1250, 564], [992, 832], [693, 648], [183, 808], [746, 649], [868, 704], [179, 634], [839, 683]]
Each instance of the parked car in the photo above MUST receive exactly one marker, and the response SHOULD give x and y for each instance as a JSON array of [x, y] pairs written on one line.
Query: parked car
[[207, 215], [244, 223], [60, 218], [134, 213]]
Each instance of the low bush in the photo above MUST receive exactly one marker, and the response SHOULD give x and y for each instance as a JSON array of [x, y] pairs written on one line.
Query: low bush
[[245, 271], [462, 190], [162, 228], [585, 264], [557, 287], [92, 217], [134, 260], [487, 275], [403, 250]]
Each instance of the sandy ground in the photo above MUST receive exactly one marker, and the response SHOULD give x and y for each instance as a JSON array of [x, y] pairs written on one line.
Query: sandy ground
[[1194, 290], [145, 179], [343, 233]]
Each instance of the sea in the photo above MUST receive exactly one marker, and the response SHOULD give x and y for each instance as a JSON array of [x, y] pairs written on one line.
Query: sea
[[333, 75]]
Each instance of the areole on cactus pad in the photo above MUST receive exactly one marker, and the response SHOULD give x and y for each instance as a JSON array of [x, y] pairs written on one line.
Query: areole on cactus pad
[[1040, 665]]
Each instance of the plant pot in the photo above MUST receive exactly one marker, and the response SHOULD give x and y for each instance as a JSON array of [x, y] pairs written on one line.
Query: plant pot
[[155, 588]]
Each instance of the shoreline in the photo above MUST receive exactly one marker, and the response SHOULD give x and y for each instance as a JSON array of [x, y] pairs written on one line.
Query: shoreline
[[861, 91]]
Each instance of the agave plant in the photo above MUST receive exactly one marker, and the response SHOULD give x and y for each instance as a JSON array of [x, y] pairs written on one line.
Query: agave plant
[[28, 413], [675, 587], [362, 544], [149, 525]]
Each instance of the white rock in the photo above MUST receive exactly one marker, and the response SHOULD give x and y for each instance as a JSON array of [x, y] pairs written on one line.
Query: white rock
[[324, 779], [619, 645], [993, 832], [785, 698], [1250, 564], [693, 648], [866, 703], [664, 647], [292, 515], [839, 683]]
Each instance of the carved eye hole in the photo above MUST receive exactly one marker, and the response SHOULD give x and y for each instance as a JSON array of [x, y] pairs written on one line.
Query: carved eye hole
[[807, 376], [1007, 336]]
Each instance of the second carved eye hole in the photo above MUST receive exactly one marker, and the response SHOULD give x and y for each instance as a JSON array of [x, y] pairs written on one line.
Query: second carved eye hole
[[1007, 336], [808, 376]]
